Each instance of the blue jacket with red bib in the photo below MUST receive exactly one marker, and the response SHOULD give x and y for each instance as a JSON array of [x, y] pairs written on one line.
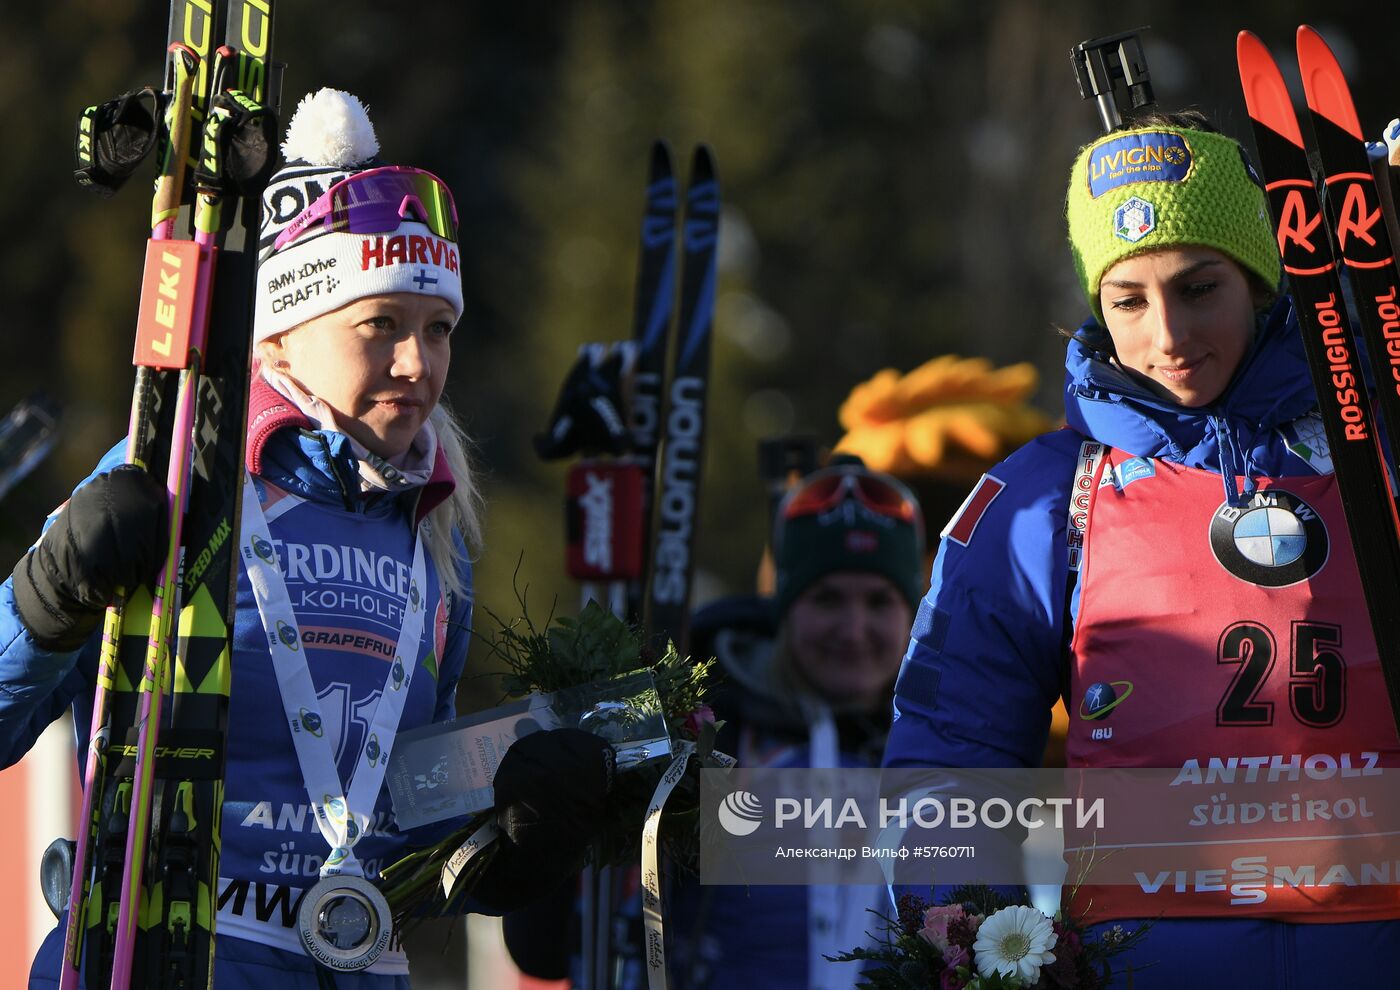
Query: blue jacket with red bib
[[992, 645]]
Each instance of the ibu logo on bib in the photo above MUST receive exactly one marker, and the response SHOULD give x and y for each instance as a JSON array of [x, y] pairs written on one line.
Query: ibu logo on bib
[[1102, 697], [1274, 541]]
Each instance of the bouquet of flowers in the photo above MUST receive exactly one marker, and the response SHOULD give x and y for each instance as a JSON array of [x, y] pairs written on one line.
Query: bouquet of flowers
[[982, 940], [596, 646]]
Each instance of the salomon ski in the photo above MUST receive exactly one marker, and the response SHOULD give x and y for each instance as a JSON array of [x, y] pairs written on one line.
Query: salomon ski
[[681, 463], [652, 318]]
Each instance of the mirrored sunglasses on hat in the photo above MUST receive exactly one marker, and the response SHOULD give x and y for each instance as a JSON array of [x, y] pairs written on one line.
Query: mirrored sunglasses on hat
[[376, 201]]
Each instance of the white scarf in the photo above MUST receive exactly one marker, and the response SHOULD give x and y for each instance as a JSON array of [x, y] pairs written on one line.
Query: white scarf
[[409, 470]]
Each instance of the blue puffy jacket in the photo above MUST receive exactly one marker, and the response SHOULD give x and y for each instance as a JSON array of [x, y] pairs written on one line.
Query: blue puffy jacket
[[270, 845], [987, 656]]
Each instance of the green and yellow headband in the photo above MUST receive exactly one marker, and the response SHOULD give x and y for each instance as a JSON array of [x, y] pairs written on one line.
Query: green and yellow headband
[[1154, 187]]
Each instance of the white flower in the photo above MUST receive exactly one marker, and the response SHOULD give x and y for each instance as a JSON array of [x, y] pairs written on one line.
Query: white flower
[[1016, 941]]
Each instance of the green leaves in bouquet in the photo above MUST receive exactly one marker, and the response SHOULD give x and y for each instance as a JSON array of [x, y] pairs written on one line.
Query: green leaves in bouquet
[[594, 646]]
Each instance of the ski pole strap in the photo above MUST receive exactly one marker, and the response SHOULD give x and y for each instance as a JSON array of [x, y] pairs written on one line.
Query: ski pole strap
[[114, 138], [342, 814], [240, 145]]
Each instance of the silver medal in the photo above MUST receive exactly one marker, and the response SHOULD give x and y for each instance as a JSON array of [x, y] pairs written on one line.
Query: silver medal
[[344, 923]]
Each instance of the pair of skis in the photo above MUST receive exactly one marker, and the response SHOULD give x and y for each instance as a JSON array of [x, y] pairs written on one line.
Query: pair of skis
[[1318, 236], [145, 862], [632, 518], [668, 428]]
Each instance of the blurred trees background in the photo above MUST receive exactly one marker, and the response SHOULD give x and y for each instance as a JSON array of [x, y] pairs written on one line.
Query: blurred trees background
[[893, 174]]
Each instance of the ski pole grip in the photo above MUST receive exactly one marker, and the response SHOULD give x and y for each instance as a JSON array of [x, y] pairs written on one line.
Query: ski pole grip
[[1112, 71]]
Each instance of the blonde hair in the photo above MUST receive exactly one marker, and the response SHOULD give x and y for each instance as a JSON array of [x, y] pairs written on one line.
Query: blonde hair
[[461, 512]]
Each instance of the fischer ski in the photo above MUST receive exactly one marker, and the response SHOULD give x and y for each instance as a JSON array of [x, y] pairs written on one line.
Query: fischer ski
[[106, 803], [1315, 285], [153, 786], [681, 462]]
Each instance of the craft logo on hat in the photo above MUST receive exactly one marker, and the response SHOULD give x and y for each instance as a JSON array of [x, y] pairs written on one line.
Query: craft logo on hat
[[1135, 219], [1144, 156]]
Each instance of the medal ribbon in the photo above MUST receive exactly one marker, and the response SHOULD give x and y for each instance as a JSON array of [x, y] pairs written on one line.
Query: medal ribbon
[[341, 817]]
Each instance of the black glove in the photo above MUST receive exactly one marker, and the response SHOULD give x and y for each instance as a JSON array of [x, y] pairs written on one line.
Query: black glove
[[111, 534], [551, 803]]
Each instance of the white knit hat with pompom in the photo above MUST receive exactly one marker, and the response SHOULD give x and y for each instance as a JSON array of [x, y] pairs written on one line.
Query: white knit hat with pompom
[[330, 137]]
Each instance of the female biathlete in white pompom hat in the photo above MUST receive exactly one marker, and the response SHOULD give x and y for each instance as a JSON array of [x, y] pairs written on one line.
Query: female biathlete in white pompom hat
[[361, 482]]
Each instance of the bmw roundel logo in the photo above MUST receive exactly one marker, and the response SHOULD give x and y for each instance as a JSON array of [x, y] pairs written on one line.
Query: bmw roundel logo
[[1274, 541]]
